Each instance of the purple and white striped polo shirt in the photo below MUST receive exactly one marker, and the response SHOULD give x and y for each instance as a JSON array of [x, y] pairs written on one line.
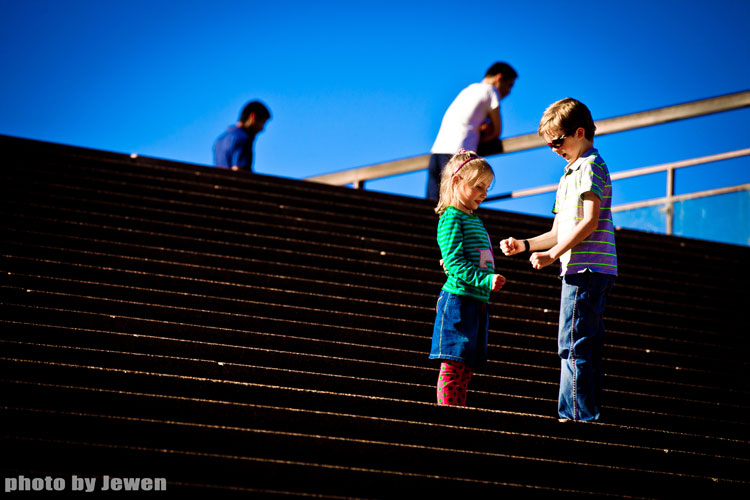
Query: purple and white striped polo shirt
[[597, 252]]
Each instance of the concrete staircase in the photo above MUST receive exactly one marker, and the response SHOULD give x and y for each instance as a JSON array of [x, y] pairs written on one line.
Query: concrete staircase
[[247, 335]]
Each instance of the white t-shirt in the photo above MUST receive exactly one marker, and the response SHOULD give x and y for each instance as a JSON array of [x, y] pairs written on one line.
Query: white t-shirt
[[460, 126]]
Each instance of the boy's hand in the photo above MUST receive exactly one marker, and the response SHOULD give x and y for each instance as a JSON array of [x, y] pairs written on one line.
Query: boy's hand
[[511, 246], [497, 282], [540, 259]]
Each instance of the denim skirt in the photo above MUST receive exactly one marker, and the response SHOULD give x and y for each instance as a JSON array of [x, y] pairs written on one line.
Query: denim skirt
[[460, 331]]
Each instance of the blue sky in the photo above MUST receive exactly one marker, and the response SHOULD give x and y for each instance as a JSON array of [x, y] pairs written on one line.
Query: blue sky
[[351, 84]]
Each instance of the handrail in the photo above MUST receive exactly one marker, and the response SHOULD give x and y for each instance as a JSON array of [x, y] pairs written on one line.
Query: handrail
[[670, 200], [667, 200], [357, 176], [636, 172]]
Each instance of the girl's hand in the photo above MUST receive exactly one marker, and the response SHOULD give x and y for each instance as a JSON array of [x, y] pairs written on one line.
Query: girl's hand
[[442, 264], [511, 246], [497, 282]]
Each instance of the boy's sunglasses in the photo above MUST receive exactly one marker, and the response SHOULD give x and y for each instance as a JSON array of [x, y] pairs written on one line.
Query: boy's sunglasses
[[556, 143]]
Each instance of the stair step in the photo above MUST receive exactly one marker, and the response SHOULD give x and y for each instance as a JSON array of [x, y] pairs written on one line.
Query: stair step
[[247, 335]]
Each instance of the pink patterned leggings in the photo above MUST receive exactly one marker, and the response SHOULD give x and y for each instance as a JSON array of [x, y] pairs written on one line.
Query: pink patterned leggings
[[453, 383]]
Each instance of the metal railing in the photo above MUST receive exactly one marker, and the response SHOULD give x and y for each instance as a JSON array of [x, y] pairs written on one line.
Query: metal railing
[[358, 176], [668, 201]]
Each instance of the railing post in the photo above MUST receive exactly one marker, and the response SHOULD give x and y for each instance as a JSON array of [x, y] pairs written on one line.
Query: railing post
[[670, 203]]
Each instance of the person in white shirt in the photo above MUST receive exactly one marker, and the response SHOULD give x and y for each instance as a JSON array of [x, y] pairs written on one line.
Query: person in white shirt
[[472, 122]]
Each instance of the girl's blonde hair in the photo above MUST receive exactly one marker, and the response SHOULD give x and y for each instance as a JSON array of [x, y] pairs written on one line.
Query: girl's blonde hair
[[467, 166]]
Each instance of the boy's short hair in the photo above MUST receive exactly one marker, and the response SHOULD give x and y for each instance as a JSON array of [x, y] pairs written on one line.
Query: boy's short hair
[[502, 68], [257, 108], [567, 115]]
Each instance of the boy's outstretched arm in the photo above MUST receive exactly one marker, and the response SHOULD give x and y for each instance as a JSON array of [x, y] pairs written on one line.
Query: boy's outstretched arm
[[585, 227], [512, 246]]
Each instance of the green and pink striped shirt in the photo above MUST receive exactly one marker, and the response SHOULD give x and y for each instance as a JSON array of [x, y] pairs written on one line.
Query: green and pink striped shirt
[[467, 254]]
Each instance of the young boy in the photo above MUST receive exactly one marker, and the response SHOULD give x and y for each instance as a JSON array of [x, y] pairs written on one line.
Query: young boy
[[583, 238]]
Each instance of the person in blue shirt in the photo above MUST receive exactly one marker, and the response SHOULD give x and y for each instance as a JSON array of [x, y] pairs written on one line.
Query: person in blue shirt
[[234, 148]]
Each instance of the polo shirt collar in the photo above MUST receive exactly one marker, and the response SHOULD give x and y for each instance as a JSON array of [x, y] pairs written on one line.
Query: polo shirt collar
[[570, 167]]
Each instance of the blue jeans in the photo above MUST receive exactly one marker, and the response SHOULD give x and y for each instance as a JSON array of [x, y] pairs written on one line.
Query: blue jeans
[[434, 170], [580, 342]]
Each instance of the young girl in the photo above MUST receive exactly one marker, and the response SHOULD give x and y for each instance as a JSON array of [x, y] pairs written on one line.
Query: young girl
[[461, 324]]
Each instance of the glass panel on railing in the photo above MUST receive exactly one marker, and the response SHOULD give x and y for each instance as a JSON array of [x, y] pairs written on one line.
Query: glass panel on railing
[[651, 219], [724, 218]]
